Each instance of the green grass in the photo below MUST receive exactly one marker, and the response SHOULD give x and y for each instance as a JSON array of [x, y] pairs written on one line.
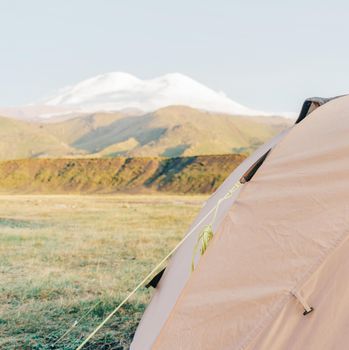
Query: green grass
[[60, 255]]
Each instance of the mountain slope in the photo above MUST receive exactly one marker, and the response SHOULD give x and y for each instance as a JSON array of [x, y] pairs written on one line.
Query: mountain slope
[[177, 131], [26, 140], [169, 132], [117, 91], [72, 129]]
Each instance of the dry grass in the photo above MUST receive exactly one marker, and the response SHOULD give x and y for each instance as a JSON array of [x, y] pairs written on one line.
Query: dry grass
[[61, 254]]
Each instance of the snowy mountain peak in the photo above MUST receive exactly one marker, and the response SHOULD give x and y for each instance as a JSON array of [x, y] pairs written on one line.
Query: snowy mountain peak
[[117, 91]]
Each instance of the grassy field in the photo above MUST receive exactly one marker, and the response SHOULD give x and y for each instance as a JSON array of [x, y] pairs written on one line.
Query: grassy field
[[60, 255]]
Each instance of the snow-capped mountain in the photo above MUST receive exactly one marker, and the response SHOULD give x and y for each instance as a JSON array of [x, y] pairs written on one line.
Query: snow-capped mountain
[[119, 91]]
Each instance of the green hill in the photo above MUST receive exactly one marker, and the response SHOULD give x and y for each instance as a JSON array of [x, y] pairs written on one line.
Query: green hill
[[199, 174], [169, 132], [180, 131], [20, 139], [73, 129]]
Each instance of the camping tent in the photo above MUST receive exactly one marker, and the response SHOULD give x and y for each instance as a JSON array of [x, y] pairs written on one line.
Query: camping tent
[[275, 274]]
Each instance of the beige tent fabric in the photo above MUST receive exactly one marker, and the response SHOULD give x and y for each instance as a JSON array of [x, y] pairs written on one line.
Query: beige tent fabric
[[328, 326], [283, 235], [179, 269]]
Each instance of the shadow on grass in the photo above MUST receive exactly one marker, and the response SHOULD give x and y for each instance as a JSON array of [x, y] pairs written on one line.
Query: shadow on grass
[[18, 223], [168, 169]]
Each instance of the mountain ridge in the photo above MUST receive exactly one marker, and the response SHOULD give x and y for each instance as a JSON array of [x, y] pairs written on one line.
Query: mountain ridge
[[123, 92], [115, 91]]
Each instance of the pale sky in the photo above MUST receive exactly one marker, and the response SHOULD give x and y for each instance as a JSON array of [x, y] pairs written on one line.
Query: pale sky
[[268, 55]]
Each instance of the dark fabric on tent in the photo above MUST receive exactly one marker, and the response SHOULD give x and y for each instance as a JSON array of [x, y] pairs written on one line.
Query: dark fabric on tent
[[156, 279], [310, 104], [253, 169]]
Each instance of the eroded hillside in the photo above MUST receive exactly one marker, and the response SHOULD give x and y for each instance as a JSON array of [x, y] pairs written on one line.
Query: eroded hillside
[[197, 174]]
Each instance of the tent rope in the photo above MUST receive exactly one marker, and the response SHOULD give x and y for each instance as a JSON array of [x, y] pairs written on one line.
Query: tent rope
[[146, 278], [207, 233], [140, 284], [76, 322]]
